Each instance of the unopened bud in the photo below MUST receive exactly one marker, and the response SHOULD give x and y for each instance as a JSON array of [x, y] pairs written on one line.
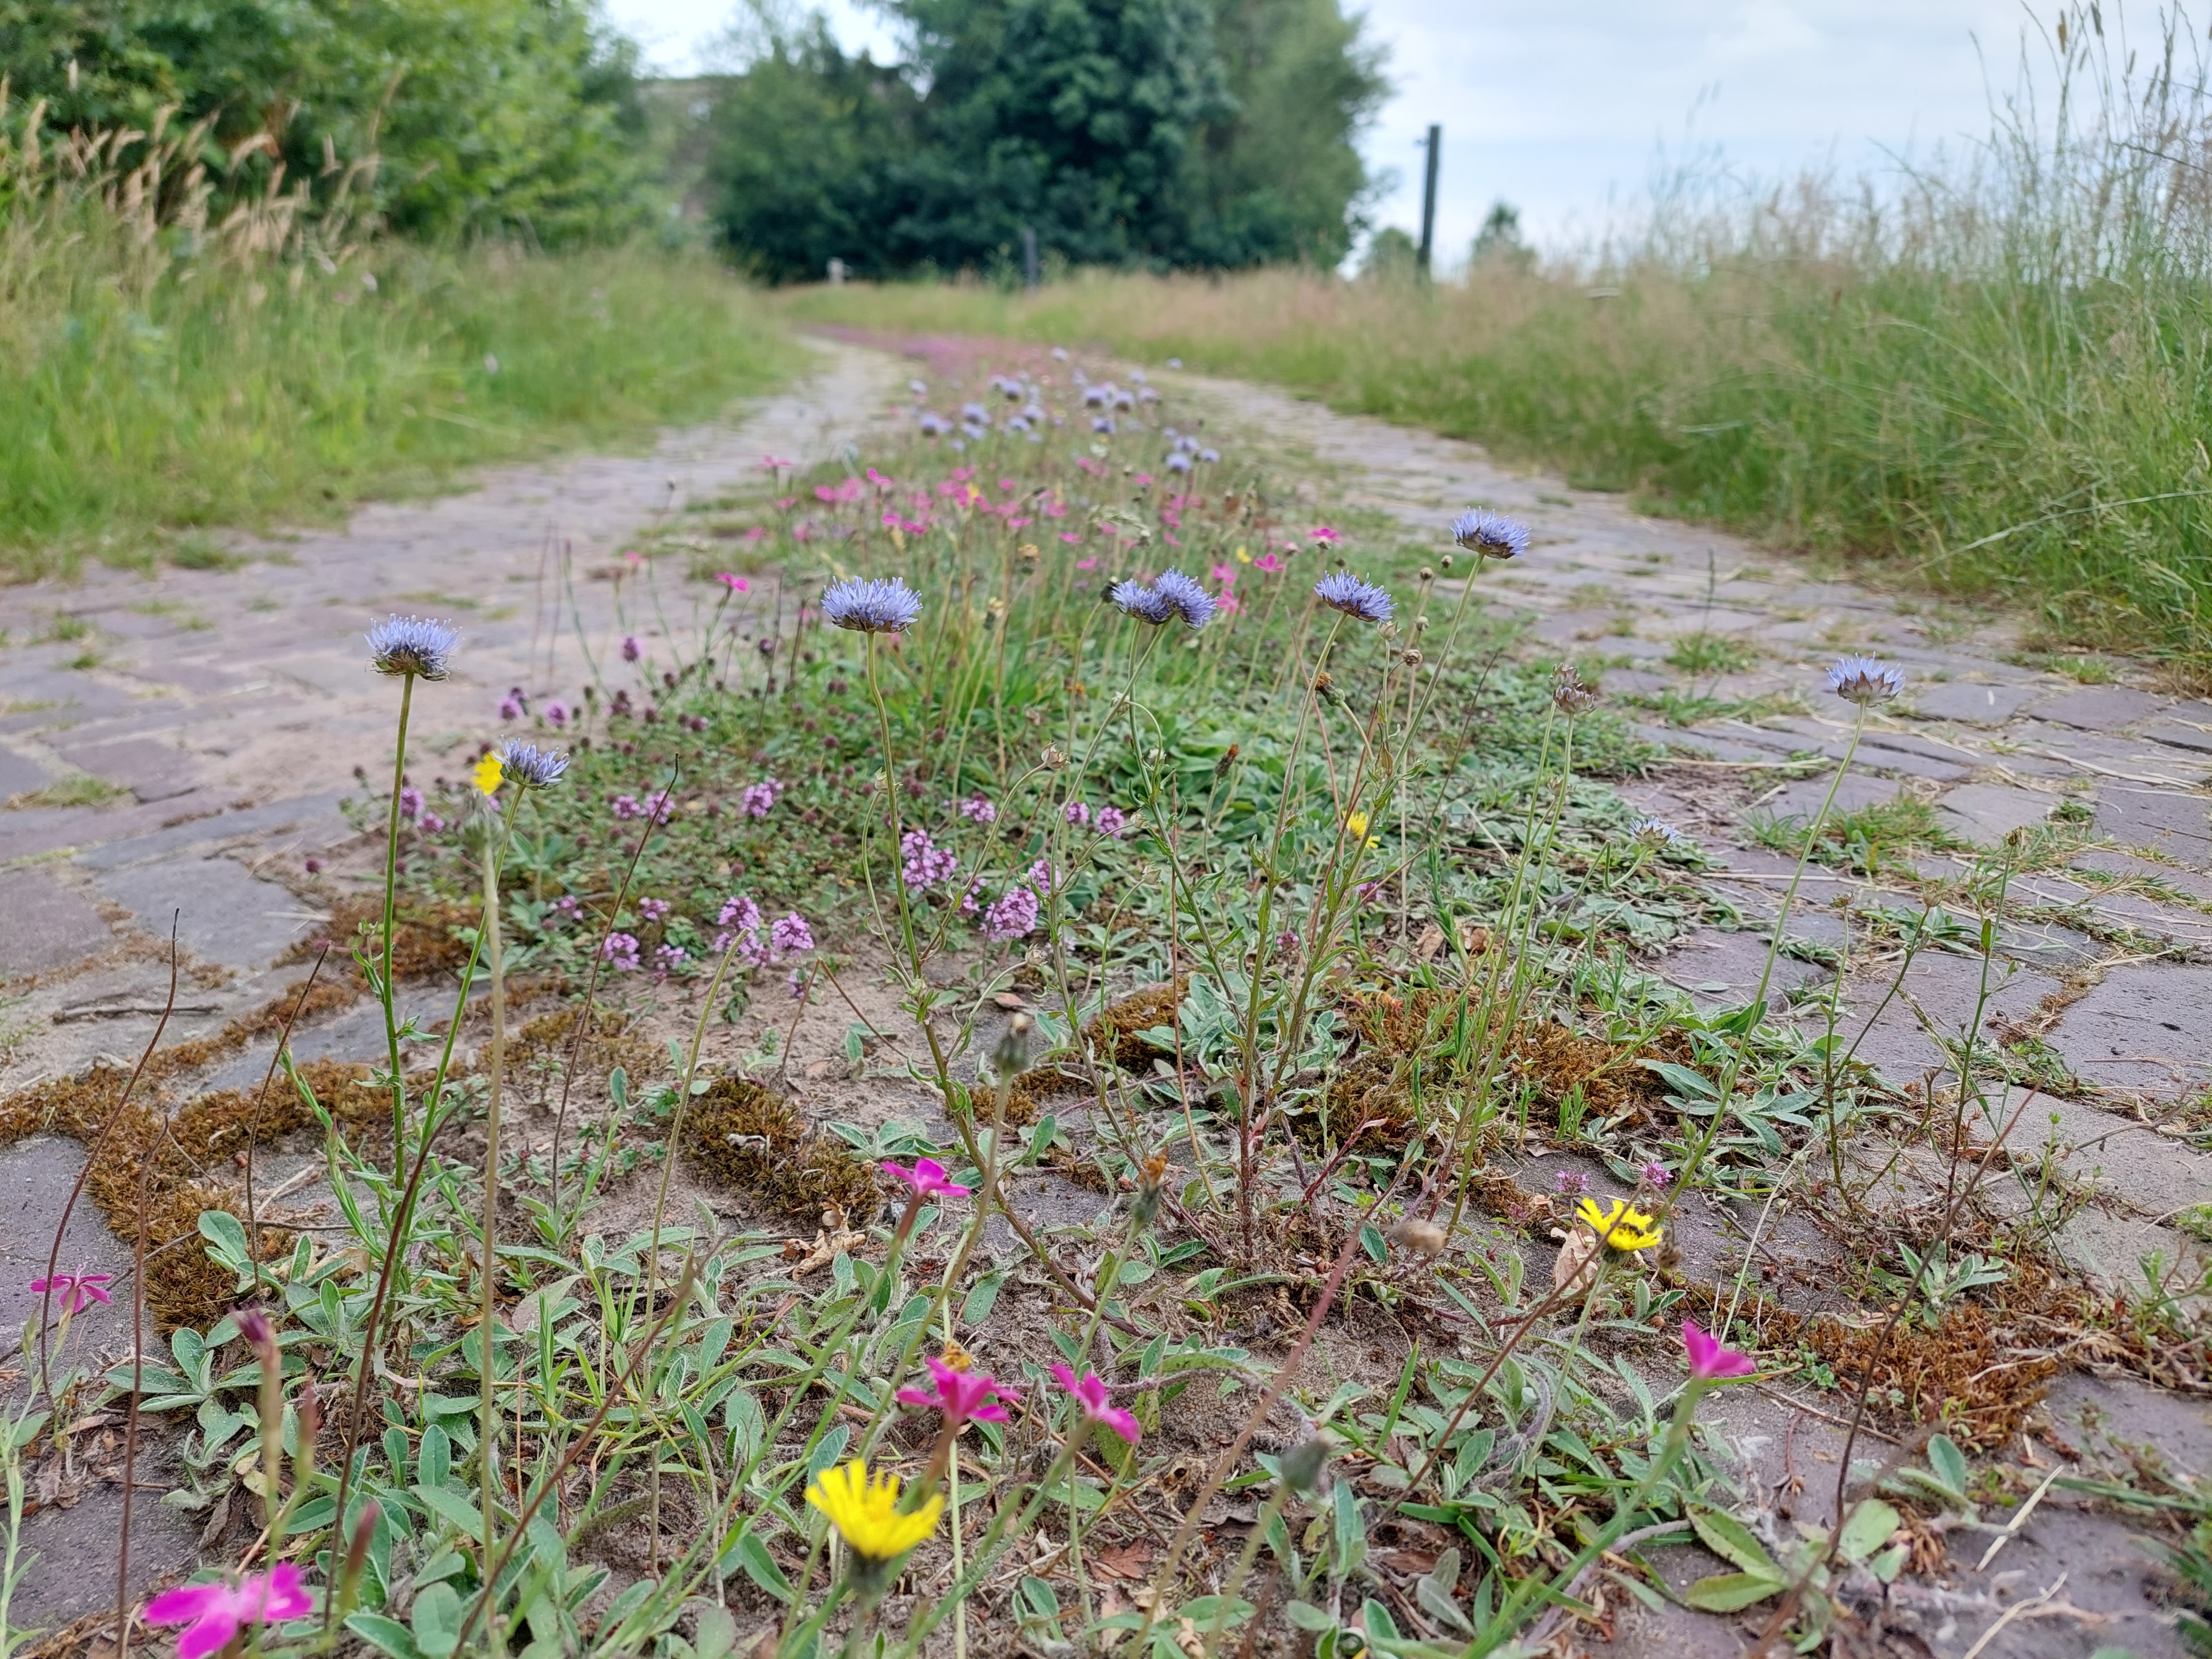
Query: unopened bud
[[356, 1555], [1412, 657], [1445, 561], [1054, 759], [1418, 1237], [1427, 574], [1008, 1058], [1303, 1464], [1147, 1203]]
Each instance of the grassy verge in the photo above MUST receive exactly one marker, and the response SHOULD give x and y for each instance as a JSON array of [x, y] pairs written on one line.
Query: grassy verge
[[143, 397]]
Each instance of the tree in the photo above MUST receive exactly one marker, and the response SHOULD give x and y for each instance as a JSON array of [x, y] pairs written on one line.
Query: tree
[[513, 116], [1499, 241], [1146, 133]]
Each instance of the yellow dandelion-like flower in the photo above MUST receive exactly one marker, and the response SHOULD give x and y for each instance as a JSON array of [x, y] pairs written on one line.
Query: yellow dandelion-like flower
[[866, 1512], [489, 772], [1243, 557], [1618, 1225], [1356, 823]]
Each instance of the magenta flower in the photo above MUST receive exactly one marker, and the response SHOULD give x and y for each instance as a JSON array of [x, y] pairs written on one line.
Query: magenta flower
[[1090, 1395], [964, 1396], [1709, 1361], [926, 1178], [213, 1613], [77, 1291], [735, 584]]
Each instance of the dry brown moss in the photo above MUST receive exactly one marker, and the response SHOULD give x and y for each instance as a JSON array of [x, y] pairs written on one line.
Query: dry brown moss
[[425, 937], [1115, 1034], [539, 1053], [750, 1137]]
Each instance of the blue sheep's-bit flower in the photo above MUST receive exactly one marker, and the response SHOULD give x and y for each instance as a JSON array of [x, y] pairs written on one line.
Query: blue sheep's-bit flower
[[1492, 535], [1145, 603], [875, 606], [1657, 832], [935, 425], [1177, 461], [413, 646], [1865, 680], [1348, 593], [532, 768], [1185, 598]]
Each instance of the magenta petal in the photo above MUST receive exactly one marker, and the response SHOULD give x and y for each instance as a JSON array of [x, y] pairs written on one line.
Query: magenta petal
[[916, 1397], [1123, 1423], [184, 1603], [989, 1414], [282, 1595], [210, 1634]]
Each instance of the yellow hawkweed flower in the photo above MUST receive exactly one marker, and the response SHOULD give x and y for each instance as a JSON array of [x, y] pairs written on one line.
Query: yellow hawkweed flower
[[1243, 557], [490, 770], [1623, 1228], [1356, 823], [866, 1512]]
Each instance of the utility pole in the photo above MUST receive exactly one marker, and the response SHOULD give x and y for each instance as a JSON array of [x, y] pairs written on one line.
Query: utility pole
[[1429, 203]]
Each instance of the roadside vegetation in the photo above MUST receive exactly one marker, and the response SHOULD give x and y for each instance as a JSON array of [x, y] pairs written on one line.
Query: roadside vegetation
[[1989, 375]]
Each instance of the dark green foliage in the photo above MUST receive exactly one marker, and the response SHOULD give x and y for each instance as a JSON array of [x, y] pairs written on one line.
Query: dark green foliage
[[1149, 133], [515, 116]]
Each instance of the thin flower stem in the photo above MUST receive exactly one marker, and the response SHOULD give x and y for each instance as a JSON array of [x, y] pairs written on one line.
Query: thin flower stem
[[391, 906]]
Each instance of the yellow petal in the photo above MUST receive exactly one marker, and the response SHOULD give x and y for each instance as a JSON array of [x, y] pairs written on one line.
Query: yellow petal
[[489, 772]]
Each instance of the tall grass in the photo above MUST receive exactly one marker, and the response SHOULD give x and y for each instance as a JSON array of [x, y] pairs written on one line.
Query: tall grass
[[162, 369], [1991, 373]]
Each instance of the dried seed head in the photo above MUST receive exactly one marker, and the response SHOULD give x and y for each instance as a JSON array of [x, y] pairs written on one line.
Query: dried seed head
[[1418, 1237], [1571, 694]]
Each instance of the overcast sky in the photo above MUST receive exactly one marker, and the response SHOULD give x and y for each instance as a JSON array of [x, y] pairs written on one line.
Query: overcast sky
[[1564, 106]]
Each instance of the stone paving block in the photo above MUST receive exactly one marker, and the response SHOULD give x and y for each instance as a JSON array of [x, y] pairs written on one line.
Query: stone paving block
[[2173, 924], [2193, 883], [47, 926], [1892, 1039], [1985, 813], [150, 770], [2194, 736], [2111, 1249], [20, 775], [315, 818], [2177, 825], [1719, 969], [2145, 1029], [1969, 704], [1801, 800], [228, 915], [2099, 707]]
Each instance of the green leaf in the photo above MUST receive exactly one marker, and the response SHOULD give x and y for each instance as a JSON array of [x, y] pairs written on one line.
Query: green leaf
[[1729, 1592], [451, 1506], [1434, 1592], [982, 1297], [760, 1567], [717, 1637], [1351, 1529], [1376, 1619], [1948, 1462], [826, 1454], [437, 1620], [1043, 1601], [1370, 1240], [1306, 1616], [1729, 1538], [434, 1462], [1689, 1082], [227, 1234], [385, 1635], [1868, 1530]]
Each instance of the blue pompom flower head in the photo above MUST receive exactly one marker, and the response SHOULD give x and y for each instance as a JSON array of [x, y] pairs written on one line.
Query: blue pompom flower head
[[532, 768], [1346, 593], [413, 646], [876, 604], [1185, 598], [1145, 603], [1865, 680], [1657, 832], [1492, 535]]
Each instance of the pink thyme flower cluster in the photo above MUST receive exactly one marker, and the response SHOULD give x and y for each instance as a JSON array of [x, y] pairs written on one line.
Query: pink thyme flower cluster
[[1044, 877], [620, 952], [555, 713], [658, 806], [925, 864], [980, 808], [668, 958], [654, 909], [758, 798], [1109, 821], [1012, 915]]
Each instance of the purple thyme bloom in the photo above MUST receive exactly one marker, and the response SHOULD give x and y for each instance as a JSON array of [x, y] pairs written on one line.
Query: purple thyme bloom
[[1185, 597], [874, 606], [1043, 876], [1573, 1181], [791, 934], [1078, 814], [631, 650], [670, 956], [925, 864], [531, 767], [1865, 681], [556, 713], [1145, 603], [1657, 1176], [620, 952], [1346, 593], [1112, 821], [1492, 535], [413, 646], [410, 802], [1013, 916], [758, 798], [654, 909], [980, 808], [511, 707]]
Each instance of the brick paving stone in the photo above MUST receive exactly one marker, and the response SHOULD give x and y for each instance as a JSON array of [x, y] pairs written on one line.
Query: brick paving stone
[[2142, 1029], [49, 925], [2176, 826], [2099, 707], [1970, 703], [1985, 813]]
